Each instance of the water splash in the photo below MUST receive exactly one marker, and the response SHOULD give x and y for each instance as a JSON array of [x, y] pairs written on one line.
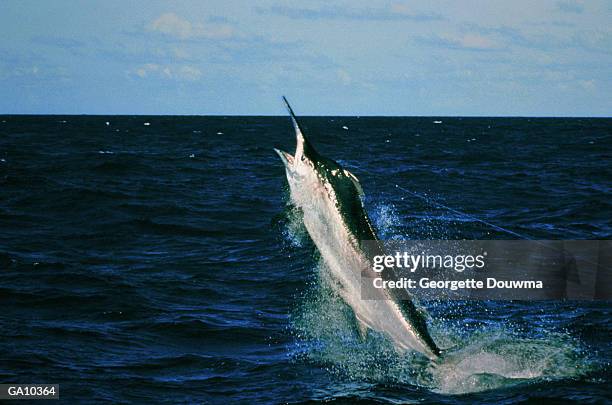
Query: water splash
[[391, 225], [481, 359], [386, 220], [499, 358], [291, 225], [295, 232]]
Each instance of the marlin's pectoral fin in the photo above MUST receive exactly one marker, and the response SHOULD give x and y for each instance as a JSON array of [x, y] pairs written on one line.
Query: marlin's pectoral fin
[[355, 181], [362, 328]]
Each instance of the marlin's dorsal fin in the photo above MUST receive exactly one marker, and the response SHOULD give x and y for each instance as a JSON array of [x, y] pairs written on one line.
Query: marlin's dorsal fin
[[355, 181]]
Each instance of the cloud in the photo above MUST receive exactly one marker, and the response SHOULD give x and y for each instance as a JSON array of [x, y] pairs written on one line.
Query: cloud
[[34, 73], [172, 25], [464, 41], [538, 38], [66, 43], [397, 12], [21, 71], [160, 52], [174, 72], [189, 72], [588, 84], [475, 41], [344, 77], [592, 40], [568, 6]]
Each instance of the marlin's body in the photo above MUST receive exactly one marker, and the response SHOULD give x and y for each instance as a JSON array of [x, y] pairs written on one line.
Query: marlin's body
[[330, 198]]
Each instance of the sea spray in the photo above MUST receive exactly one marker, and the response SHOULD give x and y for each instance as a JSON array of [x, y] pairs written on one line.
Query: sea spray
[[326, 333], [479, 357]]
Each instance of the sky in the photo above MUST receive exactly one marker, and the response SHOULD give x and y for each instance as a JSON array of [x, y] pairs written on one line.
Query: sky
[[209, 57]]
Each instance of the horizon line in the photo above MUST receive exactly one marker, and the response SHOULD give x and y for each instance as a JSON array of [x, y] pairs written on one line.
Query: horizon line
[[301, 115]]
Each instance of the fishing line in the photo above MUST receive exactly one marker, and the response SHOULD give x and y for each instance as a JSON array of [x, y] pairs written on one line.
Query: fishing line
[[471, 217], [461, 213]]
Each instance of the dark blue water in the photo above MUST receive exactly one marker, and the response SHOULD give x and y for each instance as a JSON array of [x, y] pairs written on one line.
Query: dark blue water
[[160, 262]]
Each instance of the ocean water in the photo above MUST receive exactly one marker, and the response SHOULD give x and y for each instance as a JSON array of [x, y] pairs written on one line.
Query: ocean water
[[161, 262]]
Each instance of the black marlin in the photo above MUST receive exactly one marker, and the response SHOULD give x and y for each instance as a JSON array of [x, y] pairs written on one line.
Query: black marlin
[[331, 200]]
